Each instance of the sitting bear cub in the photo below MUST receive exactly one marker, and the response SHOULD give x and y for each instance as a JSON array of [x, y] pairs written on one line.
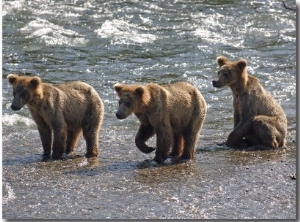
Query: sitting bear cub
[[175, 113], [259, 121], [61, 113]]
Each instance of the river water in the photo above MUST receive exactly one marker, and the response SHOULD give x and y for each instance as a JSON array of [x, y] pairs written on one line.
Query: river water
[[106, 42]]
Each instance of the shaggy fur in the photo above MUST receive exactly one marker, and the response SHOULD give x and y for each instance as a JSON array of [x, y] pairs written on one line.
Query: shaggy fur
[[259, 121], [61, 113], [175, 113]]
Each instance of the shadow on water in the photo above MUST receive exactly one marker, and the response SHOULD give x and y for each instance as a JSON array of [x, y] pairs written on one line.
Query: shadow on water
[[238, 157], [21, 160], [212, 148], [79, 165], [173, 173], [94, 167], [264, 154], [37, 158]]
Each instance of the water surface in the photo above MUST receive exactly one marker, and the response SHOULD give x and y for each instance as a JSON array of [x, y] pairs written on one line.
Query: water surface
[[106, 42]]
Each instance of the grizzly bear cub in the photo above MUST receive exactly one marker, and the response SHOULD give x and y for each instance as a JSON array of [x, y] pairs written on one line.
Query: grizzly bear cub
[[175, 113], [61, 113], [259, 121]]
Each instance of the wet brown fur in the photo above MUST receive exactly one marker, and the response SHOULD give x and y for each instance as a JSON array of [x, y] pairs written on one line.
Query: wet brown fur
[[175, 113], [259, 120], [61, 113]]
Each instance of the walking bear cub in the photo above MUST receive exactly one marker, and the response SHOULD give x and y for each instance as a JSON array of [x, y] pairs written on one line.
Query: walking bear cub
[[61, 113], [175, 113], [259, 121]]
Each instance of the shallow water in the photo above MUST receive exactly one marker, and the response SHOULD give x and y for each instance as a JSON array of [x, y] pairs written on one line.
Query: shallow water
[[105, 42]]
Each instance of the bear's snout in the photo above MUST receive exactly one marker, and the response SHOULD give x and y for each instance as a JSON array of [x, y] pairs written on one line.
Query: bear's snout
[[215, 83], [120, 115], [14, 107]]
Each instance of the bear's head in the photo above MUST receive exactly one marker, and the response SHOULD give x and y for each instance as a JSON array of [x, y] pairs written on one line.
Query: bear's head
[[229, 73], [24, 89], [132, 98]]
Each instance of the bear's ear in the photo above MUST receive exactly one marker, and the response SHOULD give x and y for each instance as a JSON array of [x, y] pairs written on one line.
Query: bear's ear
[[139, 91], [242, 63], [118, 87], [222, 60], [12, 78], [35, 81]]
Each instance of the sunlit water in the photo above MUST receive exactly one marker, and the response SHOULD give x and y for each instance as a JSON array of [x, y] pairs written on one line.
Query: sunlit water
[[105, 42]]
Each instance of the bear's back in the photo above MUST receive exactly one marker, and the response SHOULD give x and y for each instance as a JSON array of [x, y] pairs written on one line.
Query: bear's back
[[77, 100], [183, 91], [179, 102], [261, 99]]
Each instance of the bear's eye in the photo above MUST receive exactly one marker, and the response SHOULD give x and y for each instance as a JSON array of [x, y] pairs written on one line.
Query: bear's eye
[[227, 74], [127, 104], [23, 95]]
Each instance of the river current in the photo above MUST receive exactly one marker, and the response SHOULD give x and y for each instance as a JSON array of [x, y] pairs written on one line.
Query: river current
[[108, 42]]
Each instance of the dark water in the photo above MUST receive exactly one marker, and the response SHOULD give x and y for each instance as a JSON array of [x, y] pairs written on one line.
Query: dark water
[[105, 42]]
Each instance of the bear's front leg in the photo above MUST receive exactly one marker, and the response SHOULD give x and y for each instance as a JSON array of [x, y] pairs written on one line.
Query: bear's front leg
[[60, 141], [46, 138], [235, 138], [144, 133], [236, 143], [45, 135]]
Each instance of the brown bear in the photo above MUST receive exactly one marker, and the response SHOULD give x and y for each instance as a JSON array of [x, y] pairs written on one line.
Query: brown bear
[[259, 121], [175, 113], [61, 113]]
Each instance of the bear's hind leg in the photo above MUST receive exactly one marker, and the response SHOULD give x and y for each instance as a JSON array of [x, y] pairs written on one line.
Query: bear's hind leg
[[73, 137], [91, 132], [164, 139], [267, 132], [178, 144], [190, 140]]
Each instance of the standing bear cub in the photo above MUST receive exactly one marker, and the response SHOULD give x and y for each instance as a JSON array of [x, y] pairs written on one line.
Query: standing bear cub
[[259, 121], [61, 113], [175, 113]]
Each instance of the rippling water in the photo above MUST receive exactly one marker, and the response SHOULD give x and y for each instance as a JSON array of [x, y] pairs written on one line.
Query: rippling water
[[105, 42]]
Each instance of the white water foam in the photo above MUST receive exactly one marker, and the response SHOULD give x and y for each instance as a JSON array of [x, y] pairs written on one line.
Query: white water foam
[[121, 32], [9, 6], [8, 194], [16, 120], [52, 34]]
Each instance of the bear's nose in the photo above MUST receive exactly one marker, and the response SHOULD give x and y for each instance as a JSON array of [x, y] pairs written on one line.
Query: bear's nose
[[216, 84], [13, 107], [119, 115]]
